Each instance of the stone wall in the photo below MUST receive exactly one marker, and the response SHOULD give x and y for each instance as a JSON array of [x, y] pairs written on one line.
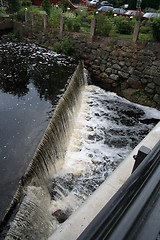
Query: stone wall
[[128, 68]]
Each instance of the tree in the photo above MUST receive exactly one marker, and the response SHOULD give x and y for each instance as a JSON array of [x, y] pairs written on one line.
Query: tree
[[145, 4], [46, 6], [14, 6]]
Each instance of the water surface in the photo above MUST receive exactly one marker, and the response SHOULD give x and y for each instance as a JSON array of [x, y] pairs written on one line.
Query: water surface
[[32, 79]]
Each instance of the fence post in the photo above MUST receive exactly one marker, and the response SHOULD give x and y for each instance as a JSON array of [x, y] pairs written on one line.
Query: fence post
[[32, 19], [136, 31], [26, 15], [61, 26], [45, 22], [93, 25]]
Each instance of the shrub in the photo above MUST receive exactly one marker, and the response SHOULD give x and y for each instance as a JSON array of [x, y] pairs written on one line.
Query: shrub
[[76, 26], [46, 6], [65, 46], [103, 25], [123, 25], [156, 29], [21, 14], [73, 24], [55, 14], [26, 3], [57, 47], [69, 24]]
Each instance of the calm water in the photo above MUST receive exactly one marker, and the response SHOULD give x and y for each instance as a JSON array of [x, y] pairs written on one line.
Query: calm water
[[32, 80]]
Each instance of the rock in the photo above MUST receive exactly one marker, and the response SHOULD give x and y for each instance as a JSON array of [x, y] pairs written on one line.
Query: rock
[[114, 77], [108, 70], [61, 216], [123, 75], [151, 85], [157, 98]]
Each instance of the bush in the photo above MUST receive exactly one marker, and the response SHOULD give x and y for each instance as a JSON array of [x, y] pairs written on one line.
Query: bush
[[65, 46], [123, 25], [46, 6], [57, 47], [21, 14], [156, 29], [73, 24], [103, 25], [69, 24], [76, 26], [55, 14], [26, 3]]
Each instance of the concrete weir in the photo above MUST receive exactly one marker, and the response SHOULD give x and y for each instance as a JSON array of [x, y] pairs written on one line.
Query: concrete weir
[[58, 180], [33, 219], [85, 214]]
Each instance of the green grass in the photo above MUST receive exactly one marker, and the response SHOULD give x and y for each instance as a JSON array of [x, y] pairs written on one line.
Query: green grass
[[146, 37]]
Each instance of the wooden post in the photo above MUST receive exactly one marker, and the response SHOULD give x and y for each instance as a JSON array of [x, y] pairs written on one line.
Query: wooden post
[[93, 25], [61, 26], [136, 31], [26, 15], [45, 23], [32, 19]]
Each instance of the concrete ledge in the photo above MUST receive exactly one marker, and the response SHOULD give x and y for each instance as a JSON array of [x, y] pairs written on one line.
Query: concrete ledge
[[80, 219]]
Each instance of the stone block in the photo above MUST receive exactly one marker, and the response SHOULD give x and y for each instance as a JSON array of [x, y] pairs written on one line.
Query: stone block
[[156, 98], [114, 77], [123, 75]]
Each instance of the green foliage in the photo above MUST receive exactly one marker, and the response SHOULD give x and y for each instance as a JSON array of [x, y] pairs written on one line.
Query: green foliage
[[145, 4], [65, 46], [14, 6], [21, 14], [55, 14], [57, 47], [103, 24], [46, 6], [14, 34], [73, 24], [151, 3], [65, 5], [146, 27], [26, 3], [81, 11], [123, 25], [156, 29]]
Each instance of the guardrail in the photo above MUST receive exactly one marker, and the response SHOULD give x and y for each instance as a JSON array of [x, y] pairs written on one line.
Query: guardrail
[[134, 211]]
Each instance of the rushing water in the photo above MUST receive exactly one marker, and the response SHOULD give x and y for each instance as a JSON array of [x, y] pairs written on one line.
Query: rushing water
[[105, 130], [31, 81]]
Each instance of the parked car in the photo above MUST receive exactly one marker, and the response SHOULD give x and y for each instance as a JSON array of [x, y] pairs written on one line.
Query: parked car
[[119, 10], [94, 3], [134, 13], [106, 3], [105, 9], [151, 15]]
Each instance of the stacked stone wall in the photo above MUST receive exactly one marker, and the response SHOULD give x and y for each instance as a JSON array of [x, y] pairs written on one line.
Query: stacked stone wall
[[116, 65]]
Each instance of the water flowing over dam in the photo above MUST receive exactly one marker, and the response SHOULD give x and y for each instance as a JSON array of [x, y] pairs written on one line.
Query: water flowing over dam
[[90, 133]]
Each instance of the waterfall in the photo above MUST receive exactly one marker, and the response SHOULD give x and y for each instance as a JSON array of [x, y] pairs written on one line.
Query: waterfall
[[33, 220]]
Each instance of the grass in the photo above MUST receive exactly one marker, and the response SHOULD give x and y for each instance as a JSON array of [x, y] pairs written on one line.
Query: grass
[[146, 37]]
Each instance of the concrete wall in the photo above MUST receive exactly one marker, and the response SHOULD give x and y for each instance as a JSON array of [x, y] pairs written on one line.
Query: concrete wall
[[123, 66]]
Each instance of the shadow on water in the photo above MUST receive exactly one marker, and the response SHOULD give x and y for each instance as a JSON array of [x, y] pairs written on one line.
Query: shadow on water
[[32, 79]]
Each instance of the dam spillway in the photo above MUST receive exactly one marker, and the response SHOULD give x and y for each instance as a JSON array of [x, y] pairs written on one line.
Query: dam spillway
[[103, 134]]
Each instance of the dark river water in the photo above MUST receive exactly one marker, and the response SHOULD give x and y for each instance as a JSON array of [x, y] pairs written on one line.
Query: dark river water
[[32, 79]]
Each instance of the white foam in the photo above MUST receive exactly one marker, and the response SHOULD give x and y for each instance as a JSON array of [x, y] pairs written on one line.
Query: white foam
[[103, 136]]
